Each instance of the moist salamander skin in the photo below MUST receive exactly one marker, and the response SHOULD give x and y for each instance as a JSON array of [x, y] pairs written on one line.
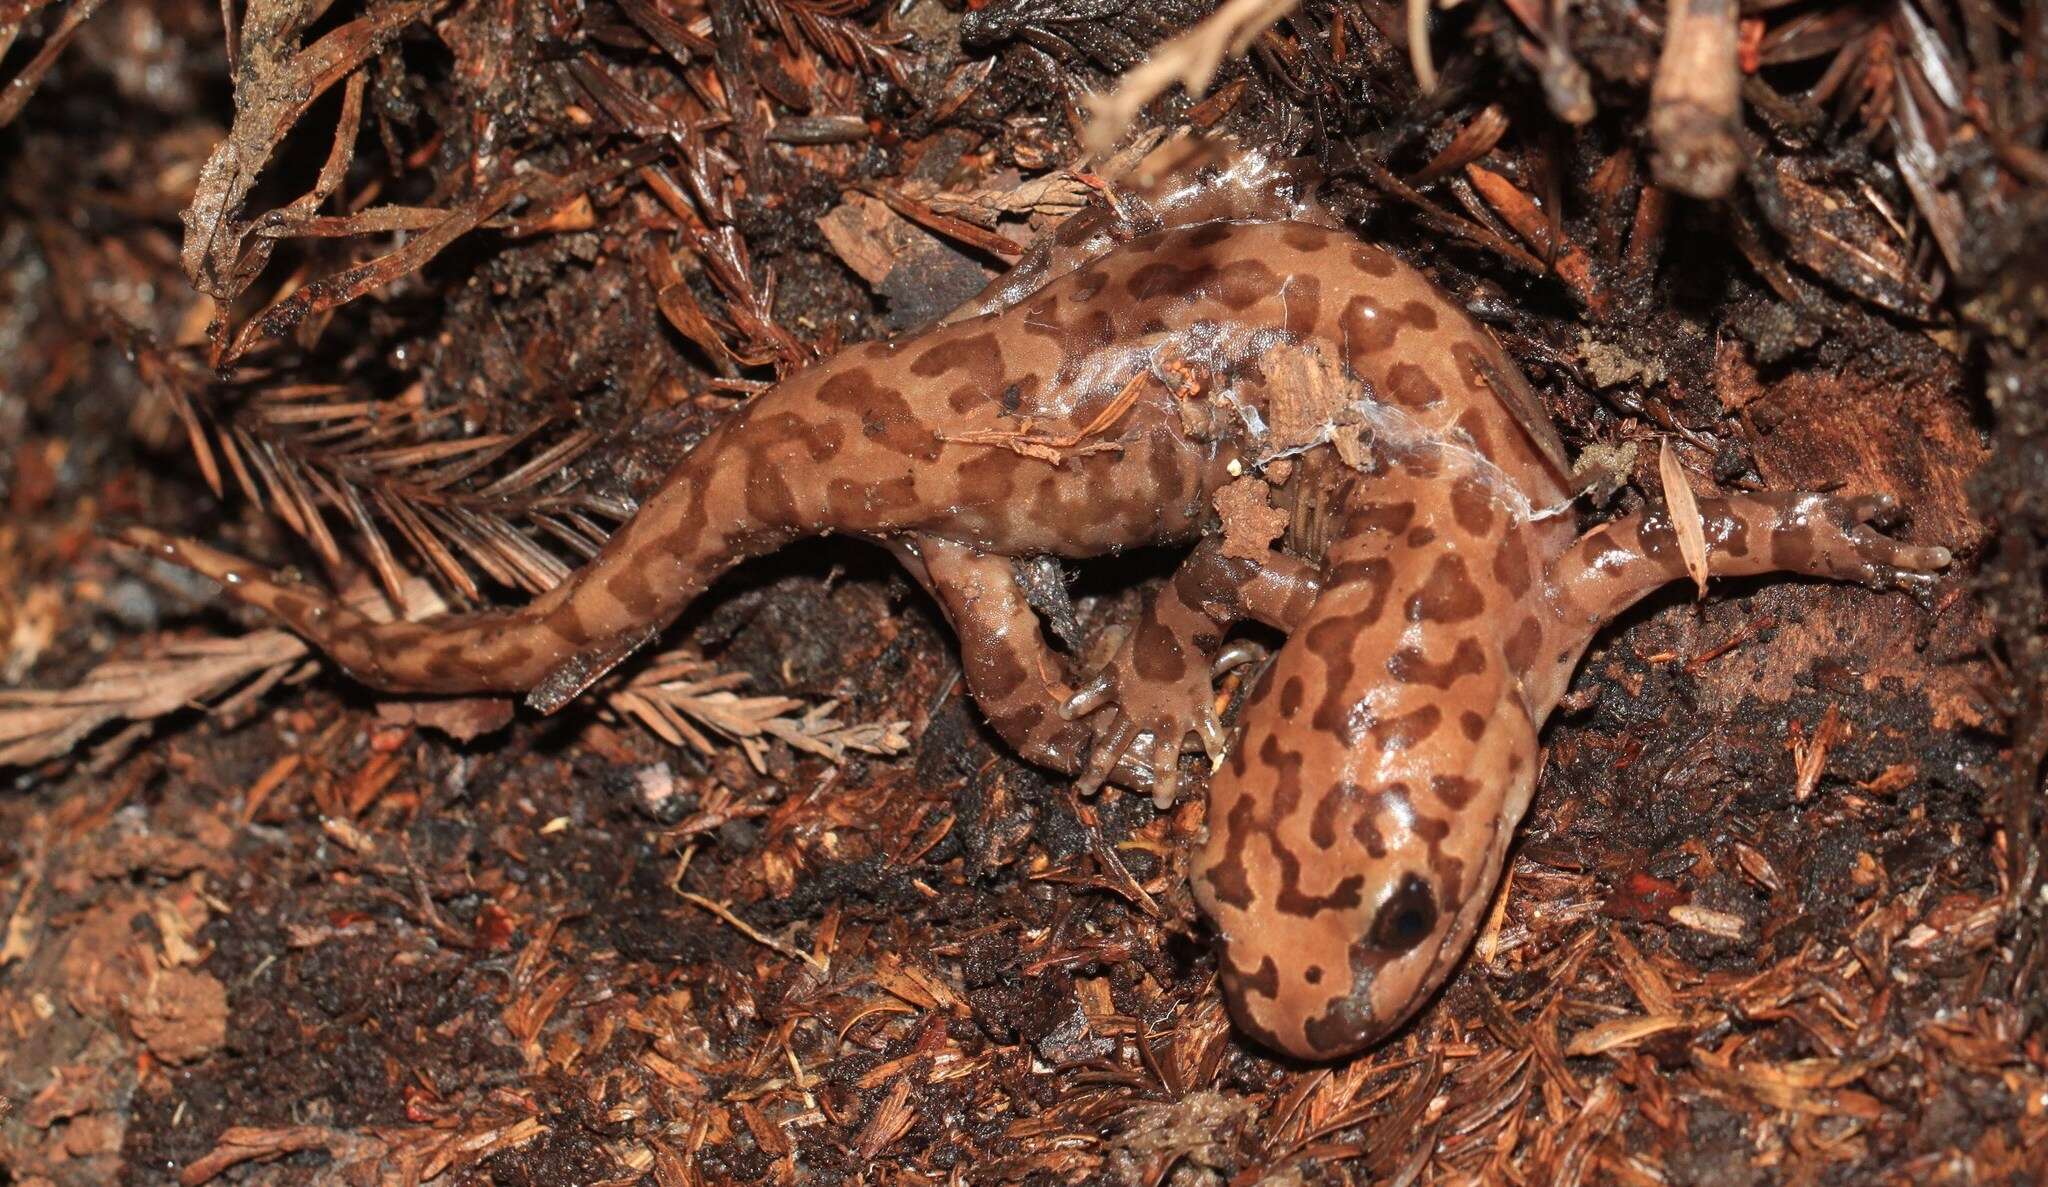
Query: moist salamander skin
[[1213, 362]]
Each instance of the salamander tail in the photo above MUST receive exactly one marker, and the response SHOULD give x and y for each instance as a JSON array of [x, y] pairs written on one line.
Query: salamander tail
[[499, 651]]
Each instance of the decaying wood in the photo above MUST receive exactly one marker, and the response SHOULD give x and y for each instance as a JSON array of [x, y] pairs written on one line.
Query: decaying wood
[[458, 282]]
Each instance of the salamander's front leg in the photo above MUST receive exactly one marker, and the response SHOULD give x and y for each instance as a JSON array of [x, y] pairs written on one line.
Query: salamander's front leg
[[1615, 564], [1159, 688]]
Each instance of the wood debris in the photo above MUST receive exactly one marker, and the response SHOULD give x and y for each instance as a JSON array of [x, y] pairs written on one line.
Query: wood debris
[[426, 299]]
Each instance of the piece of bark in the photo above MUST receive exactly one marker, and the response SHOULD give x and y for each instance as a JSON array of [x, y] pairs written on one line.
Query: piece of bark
[[1250, 523]]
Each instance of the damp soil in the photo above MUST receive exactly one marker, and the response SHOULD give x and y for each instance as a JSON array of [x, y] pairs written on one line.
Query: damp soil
[[1775, 915]]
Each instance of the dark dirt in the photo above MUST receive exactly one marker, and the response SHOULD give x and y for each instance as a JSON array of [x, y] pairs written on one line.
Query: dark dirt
[[1776, 916]]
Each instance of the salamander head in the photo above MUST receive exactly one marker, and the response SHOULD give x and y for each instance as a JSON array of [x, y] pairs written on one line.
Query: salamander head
[[1346, 881]]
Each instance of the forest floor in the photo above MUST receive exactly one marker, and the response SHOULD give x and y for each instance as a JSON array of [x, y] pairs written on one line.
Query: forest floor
[[447, 292]]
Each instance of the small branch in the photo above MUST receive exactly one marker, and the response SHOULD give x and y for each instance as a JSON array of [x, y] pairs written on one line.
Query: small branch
[[38, 724], [1190, 59], [1695, 100]]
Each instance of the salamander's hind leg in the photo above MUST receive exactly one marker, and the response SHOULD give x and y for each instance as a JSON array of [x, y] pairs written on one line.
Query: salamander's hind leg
[[1012, 674], [1158, 690], [1818, 535], [1112, 729]]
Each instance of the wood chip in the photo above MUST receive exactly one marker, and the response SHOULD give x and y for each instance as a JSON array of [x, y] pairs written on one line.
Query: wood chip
[[1250, 522], [867, 236], [890, 1121], [1621, 1033], [1710, 921], [1813, 756], [1650, 986]]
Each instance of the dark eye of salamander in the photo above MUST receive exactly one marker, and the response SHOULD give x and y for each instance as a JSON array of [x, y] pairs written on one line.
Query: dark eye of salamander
[[1406, 918]]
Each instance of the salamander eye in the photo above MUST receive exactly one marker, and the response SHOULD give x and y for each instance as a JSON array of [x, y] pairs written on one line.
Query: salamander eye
[[1406, 918]]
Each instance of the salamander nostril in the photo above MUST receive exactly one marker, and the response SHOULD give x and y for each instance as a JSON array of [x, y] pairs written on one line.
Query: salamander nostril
[[1407, 917]]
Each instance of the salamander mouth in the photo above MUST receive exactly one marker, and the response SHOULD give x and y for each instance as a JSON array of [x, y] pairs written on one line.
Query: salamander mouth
[[1347, 1026], [1302, 1015], [1310, 1014]]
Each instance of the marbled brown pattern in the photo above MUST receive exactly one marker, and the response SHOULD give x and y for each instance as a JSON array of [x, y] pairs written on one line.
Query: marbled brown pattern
[[1434, 598]]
